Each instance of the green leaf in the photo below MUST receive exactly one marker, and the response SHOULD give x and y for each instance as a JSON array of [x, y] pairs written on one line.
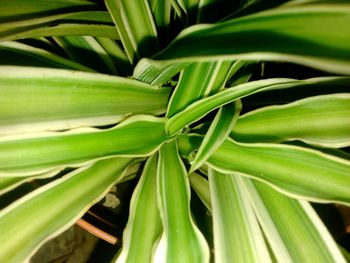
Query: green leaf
[[305, 88], [31, 8], [286, 222], [146, 72], [296, 171], [120, 59], [135, 26], [43, 152], [201, 186], [186, 10], [161, 11], [144, 226], [200, 108], [219, 130], [191, 86], [181, 240], [25, 55], [37, 99], [64, 29], [51, 209], [320, 120], [25, 24], [87, 51], [196, 81], [241, 72], [188, 144], [237, 235], [299, 34], [9, 183], [51, 17], [22, 18], [157, 76]]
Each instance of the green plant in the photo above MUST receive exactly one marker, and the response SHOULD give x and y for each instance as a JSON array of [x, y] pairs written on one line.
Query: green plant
[[190, 106]]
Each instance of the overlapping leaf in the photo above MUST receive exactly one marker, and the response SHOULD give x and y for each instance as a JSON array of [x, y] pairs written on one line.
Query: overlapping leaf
[[25, 55], [303, 34], [200, 108], [297, 171], [286, 222], [321, 120], [23, 19], [135, 26], [36, 99], [218, 131], [87, 50], [201, 186], [237, 235], [144, 226], [293, 170], [47, 151], [192, 85], [181, 239], [27, 223]]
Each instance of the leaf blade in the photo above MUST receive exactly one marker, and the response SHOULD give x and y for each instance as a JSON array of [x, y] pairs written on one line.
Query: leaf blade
[[144, 225], [240, 38], [274, 209], [47, 151], [181, 239], [302, 120], [237, 235], [311, 174], [71, 201], [71, 99], [218, 131], [136, 27]]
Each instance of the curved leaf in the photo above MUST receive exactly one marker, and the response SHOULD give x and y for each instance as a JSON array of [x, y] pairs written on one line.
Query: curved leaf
[[200, 108], [296, 171], [49, 210], [201, 186], [63, 29], [320, 120], [144, 225], [302, 34], [117, 54], [25, 8], [156, 76], [135, 26], [9, 183], [37, 99], [181, 240], [274, 210], [27, 23], [237, 235], [87, 51], [218, 131], [25, 55], [46, 151], [196, 81]]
